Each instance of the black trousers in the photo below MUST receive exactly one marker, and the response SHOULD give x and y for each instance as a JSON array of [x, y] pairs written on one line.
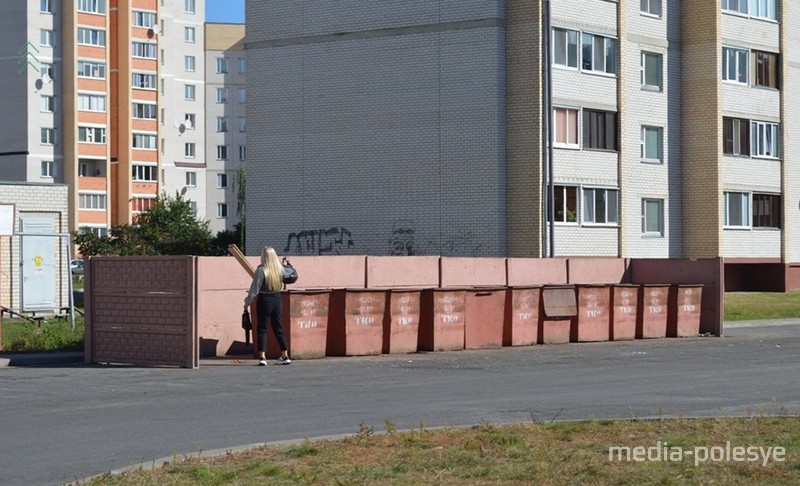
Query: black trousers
[[269, 307]]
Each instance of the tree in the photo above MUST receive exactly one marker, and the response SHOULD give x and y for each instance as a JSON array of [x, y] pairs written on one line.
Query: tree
[[169, 227]]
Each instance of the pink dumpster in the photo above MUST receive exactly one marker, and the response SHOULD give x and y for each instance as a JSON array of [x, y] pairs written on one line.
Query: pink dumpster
[[485, 311], [623, 312], [684, 307], [442, 318], [521, 325], [556, 314], [594, 314], [653, 305], [355, 324], [401, 321], [305, 324]]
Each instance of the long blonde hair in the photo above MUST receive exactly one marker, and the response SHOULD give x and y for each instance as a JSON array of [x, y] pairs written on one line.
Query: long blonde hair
[[273, 270]]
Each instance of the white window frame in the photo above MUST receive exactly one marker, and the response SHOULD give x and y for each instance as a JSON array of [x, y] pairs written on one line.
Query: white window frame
[[650, 8], [222, 181], [48, 169], [242, 65], [189, 92], [47, 38], [90, 134], [645, 71], [575, 127], [144, 50], [222, 95], [189, 63], [92, 201], [191, 178], [91, 69], [562, 39], [144, 172], [242, 124], [189, 150], [222, 65], [192, 119], [143, 19], [598, 42], [242, 153], [92, 6], [145, 81], [242, 96], [659, 133], [610, 206], [764, 9], [144, 141], [646, 220], [744, 205], [140, 204], [189, 6], [737, 7], [88, 36], [737, 56], [222, 124], [222, 152], [765, 139], [189, 35], [46, 6], [47, 104], [222, 210], [47, 136], [144, 111]]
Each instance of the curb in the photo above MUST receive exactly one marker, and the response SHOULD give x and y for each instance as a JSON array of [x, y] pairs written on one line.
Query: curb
[[38, 359]]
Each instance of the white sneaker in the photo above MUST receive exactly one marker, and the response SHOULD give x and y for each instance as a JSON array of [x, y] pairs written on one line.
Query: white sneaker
[[283, 361], [262, 362]]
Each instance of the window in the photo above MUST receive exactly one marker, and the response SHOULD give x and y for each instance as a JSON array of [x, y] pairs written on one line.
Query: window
[[599, 54], [566, 127], [652, 144], [651, 7], [48, 136], [145, 141], [242, 96], [222, 123], [142, 204], [565, 203], [47, 104], [47, 69], [222, 210], [737, 209], [47, 38], [144, 173], [193, 207], [600, 206], [222, 152], [92, 6], [146, 50], [734, 65], [188, 63], [222, 65], [765, 139], [145, 81], [46, 6], [764, 9], [144, 111], [565, 47], [242, 152], [242, 65], [765, 69], [651, 71], [188, 150], [599, 130], [188, 34], [188, 92], [91, 134], [188, 6], [222, 181], [47, 168], [653, 217], [98, 231], [222, 95], [735, 6], [91, 102], [92, 201], [766, 211], [735, 136], [189, 121], [191, 179], [144, 19], [92, 37], [242, 124], [92, 69]]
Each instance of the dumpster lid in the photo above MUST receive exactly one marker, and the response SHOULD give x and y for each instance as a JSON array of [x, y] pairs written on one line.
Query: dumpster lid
[[559, 301]]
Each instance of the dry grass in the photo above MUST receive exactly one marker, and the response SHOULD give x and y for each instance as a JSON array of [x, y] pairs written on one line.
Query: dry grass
[[563, 453]]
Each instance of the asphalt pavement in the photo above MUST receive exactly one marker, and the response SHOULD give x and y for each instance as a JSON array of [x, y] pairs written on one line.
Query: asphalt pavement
[[62, 421]]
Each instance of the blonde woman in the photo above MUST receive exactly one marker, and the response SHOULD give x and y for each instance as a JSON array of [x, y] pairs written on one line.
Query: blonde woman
[[266, 286]]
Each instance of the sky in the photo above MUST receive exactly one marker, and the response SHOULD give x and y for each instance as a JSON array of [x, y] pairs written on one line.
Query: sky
[[227, 11]]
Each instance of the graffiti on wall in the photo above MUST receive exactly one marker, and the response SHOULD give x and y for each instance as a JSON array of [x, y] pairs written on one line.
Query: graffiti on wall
[[402, 242], [332, 241]]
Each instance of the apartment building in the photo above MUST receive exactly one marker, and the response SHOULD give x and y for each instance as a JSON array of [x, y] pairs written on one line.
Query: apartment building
[[421, 129], [225, 119]]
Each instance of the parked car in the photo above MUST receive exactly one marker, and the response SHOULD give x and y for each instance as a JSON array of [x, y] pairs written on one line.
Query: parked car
[[76, 266]]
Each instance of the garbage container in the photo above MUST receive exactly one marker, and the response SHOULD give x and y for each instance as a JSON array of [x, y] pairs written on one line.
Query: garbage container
[[557, 314], [684, 308], [623, 312], [593, 322], [355, 324], [441, 321], [305, 324], [401, 321], [652, 317], [483, 325], [521, 326]]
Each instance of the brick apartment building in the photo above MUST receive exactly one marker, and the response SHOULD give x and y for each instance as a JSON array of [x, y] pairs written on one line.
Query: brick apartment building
[[417, 127]]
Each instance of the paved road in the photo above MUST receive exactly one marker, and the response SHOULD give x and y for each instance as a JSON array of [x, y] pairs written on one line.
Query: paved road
[[59, 423]]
